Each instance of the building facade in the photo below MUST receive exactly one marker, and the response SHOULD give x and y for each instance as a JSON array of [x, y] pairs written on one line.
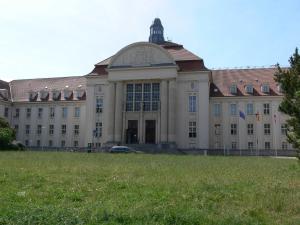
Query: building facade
[[154, 92]]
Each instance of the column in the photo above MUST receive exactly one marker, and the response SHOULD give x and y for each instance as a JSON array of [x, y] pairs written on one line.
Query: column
[[164, 111], [118, 112], [110, 112], [171, 111]]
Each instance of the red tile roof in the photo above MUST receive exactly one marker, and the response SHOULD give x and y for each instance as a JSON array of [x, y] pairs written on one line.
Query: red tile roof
[[4, 85], [186, 60], [223, 79]]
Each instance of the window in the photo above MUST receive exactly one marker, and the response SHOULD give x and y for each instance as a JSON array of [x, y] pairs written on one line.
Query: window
[[192, 103], [142, 96], [250, 109], [217, 145], [51, 129], [52, 112], [50, 143], [76, 129], [75, 143], [6, 112], [284, 145], [267, 129], [233, 89], [233, 129], [63, 143], [192, 129], [64, 112], [233, 145], [77, 112], [284, 129], [250, 129], [233, 109], [38, 143], [27, 129], [249, 89], [63, 129], [98, 130], [217, 129], [17, 113], [28, 112], [267, 145], [26, 143], [265, 88], [217, 109], [40, 112], [39, 129], [99, 105], [266, 108], [146, 96], [250, 145]]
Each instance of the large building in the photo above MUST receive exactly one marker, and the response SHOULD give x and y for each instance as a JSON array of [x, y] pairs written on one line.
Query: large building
[[154, 92]]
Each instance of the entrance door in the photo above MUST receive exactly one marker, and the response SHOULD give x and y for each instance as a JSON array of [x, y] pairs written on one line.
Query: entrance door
[[132, 132], [150, 131]]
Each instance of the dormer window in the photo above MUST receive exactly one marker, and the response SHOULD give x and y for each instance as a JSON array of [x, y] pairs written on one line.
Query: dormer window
[[233, 89], [4, 94], [44, 95], [249, 89], [80, 94], [68, 94], [33, 96], [265, 88], [56, 95]]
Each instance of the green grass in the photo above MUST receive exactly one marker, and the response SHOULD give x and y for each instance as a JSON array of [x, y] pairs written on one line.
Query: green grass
[[81, 188]]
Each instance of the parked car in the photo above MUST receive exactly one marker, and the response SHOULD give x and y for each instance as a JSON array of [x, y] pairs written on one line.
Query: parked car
[[120, 149]]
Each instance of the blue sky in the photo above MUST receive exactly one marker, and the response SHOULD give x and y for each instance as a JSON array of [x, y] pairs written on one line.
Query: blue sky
[[49, 38]]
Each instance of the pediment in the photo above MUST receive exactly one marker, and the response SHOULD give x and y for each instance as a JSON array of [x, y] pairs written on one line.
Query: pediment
[[142, 54]]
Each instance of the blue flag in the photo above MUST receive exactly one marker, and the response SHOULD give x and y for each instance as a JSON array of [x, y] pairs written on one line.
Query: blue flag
[[242, 115]]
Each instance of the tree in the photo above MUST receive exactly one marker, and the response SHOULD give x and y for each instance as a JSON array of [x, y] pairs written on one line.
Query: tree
[[7, 134], [289, 81]]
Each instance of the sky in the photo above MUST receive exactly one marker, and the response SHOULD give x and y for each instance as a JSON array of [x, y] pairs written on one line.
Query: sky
[[52, 38]]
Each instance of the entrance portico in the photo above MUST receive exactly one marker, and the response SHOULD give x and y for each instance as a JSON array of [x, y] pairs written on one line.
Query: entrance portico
[[141, 88]]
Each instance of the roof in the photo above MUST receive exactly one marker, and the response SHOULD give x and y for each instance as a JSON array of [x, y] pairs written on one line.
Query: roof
[[21, 88], [178, 53], [223, 79]]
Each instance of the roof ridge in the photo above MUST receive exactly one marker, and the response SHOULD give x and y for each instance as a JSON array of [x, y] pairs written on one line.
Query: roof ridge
[[48, 78]]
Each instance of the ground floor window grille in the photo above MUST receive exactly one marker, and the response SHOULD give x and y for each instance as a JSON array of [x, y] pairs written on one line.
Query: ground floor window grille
[[267, 145], [250, 145], [284, 145], [233, 145]]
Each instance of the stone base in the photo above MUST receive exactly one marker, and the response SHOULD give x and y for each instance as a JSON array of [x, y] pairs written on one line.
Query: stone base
[[167, 145]]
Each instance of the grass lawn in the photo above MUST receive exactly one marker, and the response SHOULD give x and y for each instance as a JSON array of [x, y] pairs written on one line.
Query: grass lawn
[[81, 188]]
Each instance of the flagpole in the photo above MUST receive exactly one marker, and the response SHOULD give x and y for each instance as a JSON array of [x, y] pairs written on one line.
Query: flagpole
[[275, 135]]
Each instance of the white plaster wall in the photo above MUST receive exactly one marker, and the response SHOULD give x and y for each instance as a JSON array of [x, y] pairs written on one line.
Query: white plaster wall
[[45, 121], [242, 138]]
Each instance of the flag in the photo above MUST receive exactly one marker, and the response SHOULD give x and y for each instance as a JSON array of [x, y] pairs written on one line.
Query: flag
[[257, 116], [242, 115]]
